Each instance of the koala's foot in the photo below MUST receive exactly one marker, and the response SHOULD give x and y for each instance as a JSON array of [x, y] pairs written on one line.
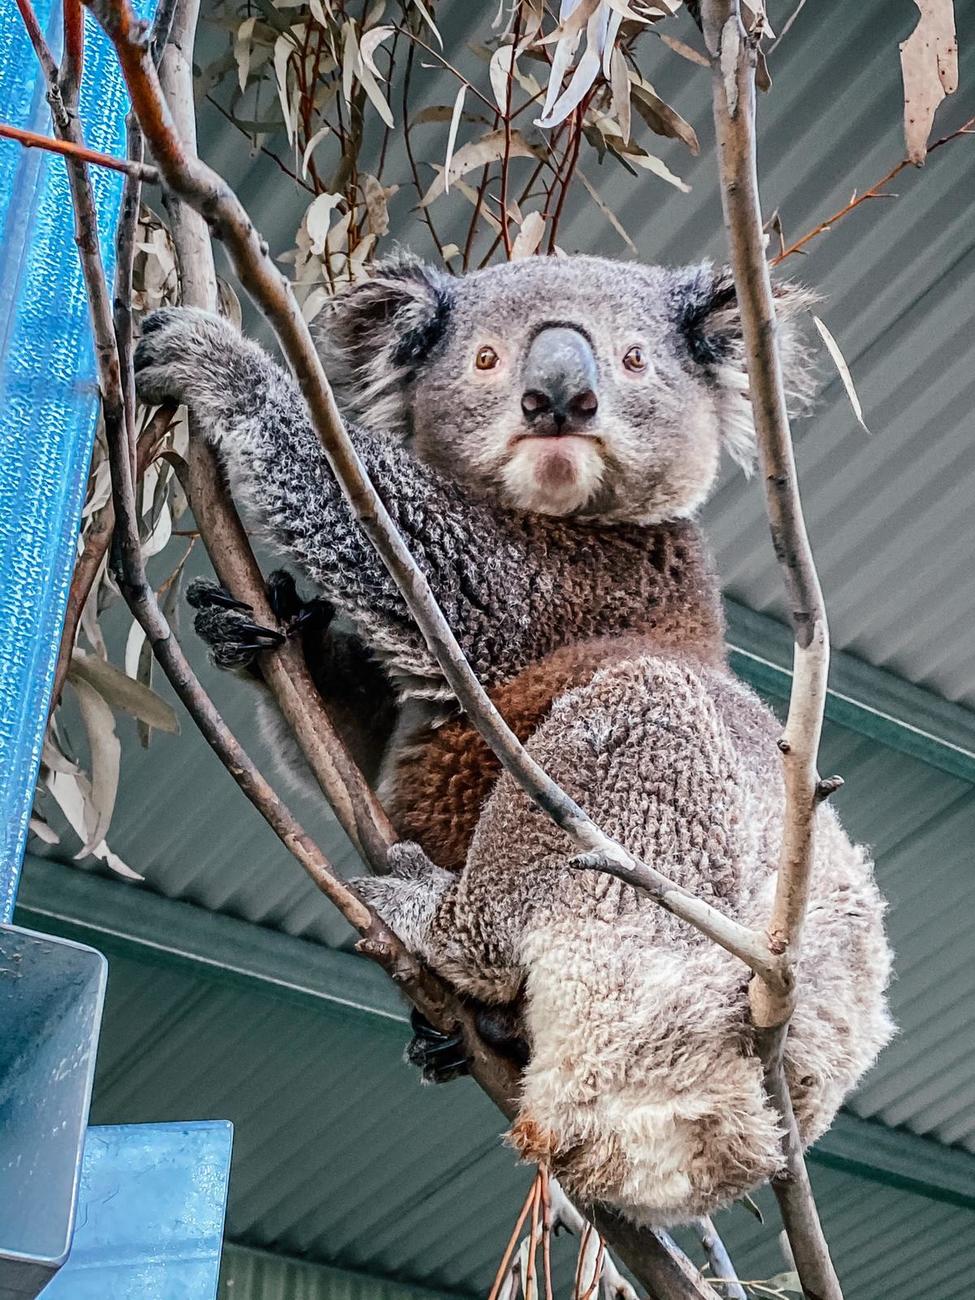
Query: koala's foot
[[441, 1057], [407, 898], [231, 634], [438, 1056]]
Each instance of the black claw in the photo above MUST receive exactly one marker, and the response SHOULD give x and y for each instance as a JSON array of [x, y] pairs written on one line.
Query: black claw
[[296, 614], [207, 595], [282, 595], [261, 637], [440, 1057]]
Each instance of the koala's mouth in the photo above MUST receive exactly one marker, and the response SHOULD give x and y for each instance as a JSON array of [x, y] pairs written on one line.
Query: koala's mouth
[[556, 474]]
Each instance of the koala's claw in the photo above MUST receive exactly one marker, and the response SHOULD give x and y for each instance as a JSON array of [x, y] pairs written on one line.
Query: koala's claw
[[234, 639], [439, 1057]]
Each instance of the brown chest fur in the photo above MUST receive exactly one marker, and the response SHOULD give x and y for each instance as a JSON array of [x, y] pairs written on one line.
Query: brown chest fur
[[444, 778]]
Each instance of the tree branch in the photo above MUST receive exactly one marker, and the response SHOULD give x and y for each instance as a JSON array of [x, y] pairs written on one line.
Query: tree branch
[[876, 191], [719, 1259], [204, 190], [733, 54], [647, 1253], [32, 140]]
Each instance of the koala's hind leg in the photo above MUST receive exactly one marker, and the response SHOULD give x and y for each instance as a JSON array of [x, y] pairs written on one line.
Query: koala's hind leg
[[408, 898], [473, 946]]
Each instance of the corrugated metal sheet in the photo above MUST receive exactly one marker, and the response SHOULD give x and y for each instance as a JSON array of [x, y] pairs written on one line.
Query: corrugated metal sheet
[[890, 514]]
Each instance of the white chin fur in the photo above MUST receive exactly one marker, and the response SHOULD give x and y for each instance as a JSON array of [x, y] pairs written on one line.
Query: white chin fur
[[552, 476]]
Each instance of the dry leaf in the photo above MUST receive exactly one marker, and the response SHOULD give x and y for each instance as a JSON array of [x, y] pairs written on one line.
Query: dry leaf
[[310, 147], [620, 84], [283, 49], [121, 691], [659, 116], [500, 72], [929, 65], [529, 236], [685, 51], [39, 827], [490, 148], [242, 50], [318, 219], [833, 348], [452, 133], [608, 213], [377, 211], [585, 74], [426, 16], [105, 752], [368, 45]]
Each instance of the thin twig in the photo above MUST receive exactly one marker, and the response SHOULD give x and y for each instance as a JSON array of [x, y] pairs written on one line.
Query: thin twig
[[876, 191], [719, 1260], [73, 56], [733, 62], [32, 140]]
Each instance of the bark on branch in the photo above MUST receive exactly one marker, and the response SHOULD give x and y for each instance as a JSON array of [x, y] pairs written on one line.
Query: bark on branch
[[733, 52]]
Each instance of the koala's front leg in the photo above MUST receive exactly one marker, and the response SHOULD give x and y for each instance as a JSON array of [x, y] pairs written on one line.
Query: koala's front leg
[[251, 411]]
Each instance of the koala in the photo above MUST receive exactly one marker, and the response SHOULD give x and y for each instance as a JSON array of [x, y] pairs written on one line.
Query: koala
[[543, 434]]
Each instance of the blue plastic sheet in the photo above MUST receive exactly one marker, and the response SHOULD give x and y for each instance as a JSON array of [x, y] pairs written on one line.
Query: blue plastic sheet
[[47, 396], [150, 1214]]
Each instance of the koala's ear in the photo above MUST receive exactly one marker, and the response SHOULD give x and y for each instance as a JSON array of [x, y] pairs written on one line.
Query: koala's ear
[[709, 324], [376, 335]]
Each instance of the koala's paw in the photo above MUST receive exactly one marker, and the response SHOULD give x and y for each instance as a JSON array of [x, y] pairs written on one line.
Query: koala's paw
[[181, 354], [228, 628], [233, 638], [439, 1057], [407, 898]]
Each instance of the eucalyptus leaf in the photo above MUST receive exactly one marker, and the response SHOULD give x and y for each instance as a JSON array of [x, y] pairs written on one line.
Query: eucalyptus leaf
[[123, 692]]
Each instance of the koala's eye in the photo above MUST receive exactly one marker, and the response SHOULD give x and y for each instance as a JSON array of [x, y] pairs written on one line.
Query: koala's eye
[[486, 358], [635, 359]]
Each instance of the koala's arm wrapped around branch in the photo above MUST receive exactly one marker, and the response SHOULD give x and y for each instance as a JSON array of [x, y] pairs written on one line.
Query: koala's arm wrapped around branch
[[252, 411]]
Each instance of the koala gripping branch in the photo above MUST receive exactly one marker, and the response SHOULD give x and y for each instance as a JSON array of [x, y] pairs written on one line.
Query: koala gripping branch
[[733, 52], [206, 191], [666, 1273]]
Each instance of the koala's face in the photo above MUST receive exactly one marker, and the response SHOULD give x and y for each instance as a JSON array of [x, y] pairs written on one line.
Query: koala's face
[[565, 386]]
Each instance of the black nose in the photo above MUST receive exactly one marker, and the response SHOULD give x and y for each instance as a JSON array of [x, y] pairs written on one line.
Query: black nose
[[560, 380]]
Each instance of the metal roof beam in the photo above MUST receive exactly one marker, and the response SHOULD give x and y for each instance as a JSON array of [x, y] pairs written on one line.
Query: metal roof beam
[[135, 922], [868, 700]]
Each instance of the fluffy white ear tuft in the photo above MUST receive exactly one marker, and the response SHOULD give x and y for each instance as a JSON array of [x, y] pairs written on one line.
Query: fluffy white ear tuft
[[709, 321], [375, 336]]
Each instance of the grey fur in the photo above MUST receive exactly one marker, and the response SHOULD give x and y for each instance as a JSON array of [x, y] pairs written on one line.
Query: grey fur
[[643, 1089]]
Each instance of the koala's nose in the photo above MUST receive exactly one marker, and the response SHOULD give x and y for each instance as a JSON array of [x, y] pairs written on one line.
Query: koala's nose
[[560, 379]]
